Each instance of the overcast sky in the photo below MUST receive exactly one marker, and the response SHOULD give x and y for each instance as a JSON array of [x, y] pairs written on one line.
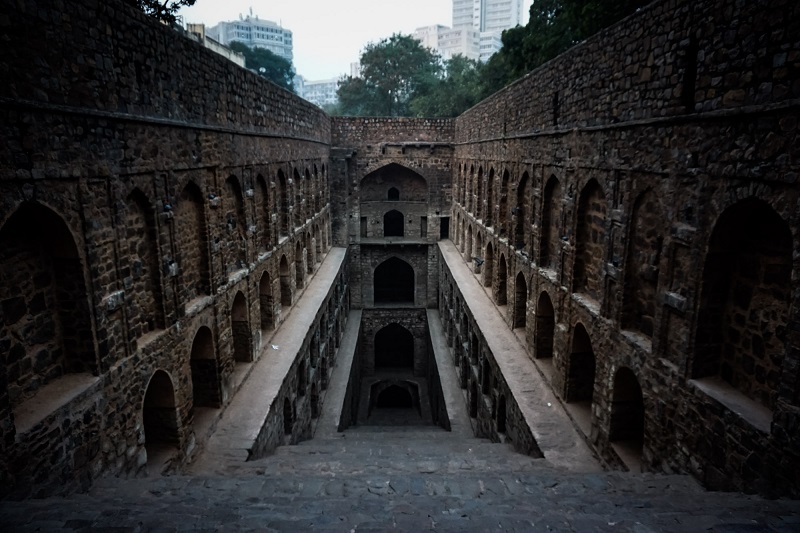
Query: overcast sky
[[329, 34]]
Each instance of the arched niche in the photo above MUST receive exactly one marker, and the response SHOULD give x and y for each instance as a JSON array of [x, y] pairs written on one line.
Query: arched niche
[[376, 186], [394, 348], [394, 282]]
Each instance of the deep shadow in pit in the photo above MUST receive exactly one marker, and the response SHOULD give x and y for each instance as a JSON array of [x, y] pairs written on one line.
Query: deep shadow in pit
[[396, 382]]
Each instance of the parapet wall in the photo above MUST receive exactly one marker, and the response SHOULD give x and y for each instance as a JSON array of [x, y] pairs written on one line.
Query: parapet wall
[[346, 131], [108, 58], [671, 58]]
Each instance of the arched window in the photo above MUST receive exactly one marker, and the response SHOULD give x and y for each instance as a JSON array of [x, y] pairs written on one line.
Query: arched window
[[745, 301], [286, 282], [205, 370], [393, 222], [240, 329], [160, 419], [393, 195], [394, 348], [394, 282], [545, 327], [580, 369], [590, 242]]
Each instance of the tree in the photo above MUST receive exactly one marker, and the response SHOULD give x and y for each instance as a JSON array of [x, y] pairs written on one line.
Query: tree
[[452, 94], [393, 72], [267, 64], [554, 26], [162, 10]]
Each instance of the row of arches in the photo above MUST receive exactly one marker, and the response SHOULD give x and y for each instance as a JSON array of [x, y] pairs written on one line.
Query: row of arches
[[486, 393], [744, 295], [161, 412], [589, 233]]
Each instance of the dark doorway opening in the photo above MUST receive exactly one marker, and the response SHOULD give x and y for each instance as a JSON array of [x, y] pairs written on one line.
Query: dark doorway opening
[[393, 224], [394, 282], [394, 348]]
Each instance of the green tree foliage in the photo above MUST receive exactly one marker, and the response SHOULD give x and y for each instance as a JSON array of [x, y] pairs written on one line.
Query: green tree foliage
[[554, 26], [265, 63], [163, 10], [393, 72], [451, 94]]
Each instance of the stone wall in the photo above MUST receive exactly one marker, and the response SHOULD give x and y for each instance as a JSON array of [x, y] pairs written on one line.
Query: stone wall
[[655, 221], [139, 208]]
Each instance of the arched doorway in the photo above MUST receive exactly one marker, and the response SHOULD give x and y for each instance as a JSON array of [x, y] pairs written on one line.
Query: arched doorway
[[299, 271], [580, 368], [240, 330], [265, 302], [626, 427], [520, 301], [205, 371], [551, 214], [545, 327], [488, 268], [394, 348], [394, 282], [501, 414], [286, 283], [501, 296], [393, 222], [288, 417], [473, 399], [160, 420]]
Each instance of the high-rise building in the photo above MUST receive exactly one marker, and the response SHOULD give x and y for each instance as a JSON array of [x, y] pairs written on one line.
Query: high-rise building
[[318, 92], [254, 32], [448, 42], [489, 18], [487, 15]]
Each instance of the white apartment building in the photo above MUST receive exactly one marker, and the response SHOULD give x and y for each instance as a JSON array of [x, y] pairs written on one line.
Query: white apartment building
[[318, 92], [448, 42], [488, 15], [253, 31]]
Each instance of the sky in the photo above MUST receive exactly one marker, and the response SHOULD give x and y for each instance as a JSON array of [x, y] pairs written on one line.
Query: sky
[[329, 34]]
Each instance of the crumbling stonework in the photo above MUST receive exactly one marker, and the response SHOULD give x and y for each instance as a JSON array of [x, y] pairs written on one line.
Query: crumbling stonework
[[631, 206]]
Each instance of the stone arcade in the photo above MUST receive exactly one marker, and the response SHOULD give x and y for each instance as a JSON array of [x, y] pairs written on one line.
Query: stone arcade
[[632, 209]]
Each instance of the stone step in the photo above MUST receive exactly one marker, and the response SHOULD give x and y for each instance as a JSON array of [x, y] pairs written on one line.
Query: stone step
[[452, 502]]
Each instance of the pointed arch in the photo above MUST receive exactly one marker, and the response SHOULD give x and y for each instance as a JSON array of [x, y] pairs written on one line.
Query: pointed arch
[[394, 348], [642, 264], [488, 267], [46, 318], [240, 330], [544, 335], [393, 224], [297, 207], [590, 242], [745, 300], [145, 302], [206, 390], [627, 411], [551, 218], [503, 204], [286, 282], [501, 294], [282, 205], [264, 218], [520, 216], [490, 201], [299, 271], [236, 223], [194, 265], [520, 301], [266, 302], [160, 418], [394, 282], [580, 368]]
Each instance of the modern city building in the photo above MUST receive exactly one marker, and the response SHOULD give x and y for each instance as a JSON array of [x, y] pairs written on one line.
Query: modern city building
[[198, 32], [254, 32], [487, 15], [318, 92], [448, 42]]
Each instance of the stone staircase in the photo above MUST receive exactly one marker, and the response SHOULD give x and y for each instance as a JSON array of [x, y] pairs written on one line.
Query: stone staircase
[[400, 478]]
